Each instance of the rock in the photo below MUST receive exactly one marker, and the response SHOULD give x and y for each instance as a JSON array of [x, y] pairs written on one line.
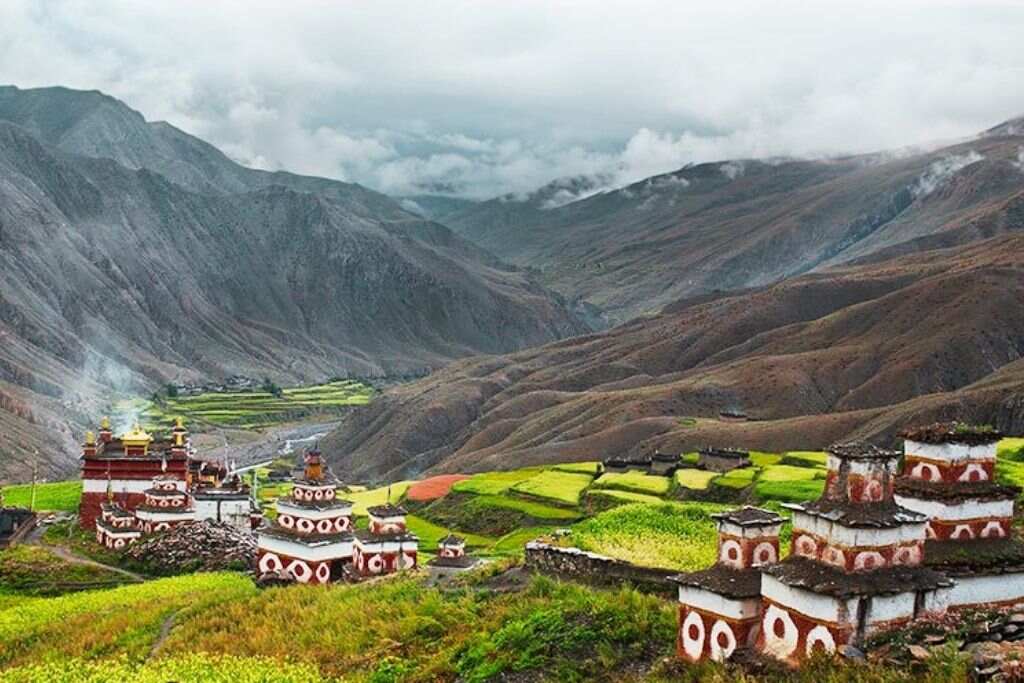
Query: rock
[[1017, 618], [1010, 629], [276, 578], [934, 639], [917, 652], [199, 546], [850, 652]]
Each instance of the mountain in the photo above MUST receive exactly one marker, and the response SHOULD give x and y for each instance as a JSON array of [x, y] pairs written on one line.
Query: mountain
[[746, 223], [132, 253], [848, 352]]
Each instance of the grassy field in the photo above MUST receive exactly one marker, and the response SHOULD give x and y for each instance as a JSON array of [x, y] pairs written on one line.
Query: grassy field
[[248, 409], [30, 570], [60, 496], [555, 485], [378, 496], [697, 480], [634, 481], [495, 482]]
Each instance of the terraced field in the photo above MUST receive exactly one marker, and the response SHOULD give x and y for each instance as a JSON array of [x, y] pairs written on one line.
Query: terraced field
[[248, 410]]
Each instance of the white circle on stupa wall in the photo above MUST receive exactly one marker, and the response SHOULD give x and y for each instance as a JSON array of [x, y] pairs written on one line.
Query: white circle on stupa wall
[[270, 563], [868, 559], [304, 525], [834, 557], [329, 494], [375, 564], [974, 472], [299, 493], [962, 531], [820, 636], [163, 503], [300, 570], [692, 634], [907, 555], [993, 530], [318, 494], [286, 521], [806, 547], [722, 642], [780, 634], [119, 543], [324, 526], [926, 471], [323, 572], [341, 524], [731, 553], [764, 553]]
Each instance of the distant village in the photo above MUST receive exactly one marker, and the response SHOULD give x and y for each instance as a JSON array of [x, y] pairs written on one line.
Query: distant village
[[894, 538]]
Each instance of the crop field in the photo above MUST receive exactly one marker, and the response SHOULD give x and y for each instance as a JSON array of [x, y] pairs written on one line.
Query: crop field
[[738, 478], [378, 496], [669, 535], [634, 481], [58, 496], [592, 467], [490, 483], [30, 570], [697, 480], [628, 496], [249, 409], [434, 487], [529, 507], [554, 485], [430, 534]]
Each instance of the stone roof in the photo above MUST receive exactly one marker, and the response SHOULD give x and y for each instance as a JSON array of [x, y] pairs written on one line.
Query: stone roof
[[749, 516], [275, 530], [800, 572], [389, 510], [861, 450], [336, 504], [734, 453], [220, 494], [159, 493], [722, 580], [955, 493], [460, 562], [978, 556], [111, 529], [665, 457], [952, 432], [367, 536], [882, 515], [152, 508], [452, 539]]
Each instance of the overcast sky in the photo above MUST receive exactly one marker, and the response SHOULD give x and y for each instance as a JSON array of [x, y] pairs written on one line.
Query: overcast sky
[[481, 98]]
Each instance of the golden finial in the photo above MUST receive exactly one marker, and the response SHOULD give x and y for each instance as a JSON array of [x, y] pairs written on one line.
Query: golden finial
[[105, 423], [90, 439], [179, 422]]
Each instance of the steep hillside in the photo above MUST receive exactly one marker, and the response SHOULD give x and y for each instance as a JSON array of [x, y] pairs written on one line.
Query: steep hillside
[[737, 224], [118, 277], [848, 352]]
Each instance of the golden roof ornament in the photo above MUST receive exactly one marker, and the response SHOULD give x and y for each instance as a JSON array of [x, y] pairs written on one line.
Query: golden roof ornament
[[90, 439], [105, 423]]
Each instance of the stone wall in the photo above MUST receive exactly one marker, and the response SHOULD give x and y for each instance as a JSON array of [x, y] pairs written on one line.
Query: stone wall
[[580, 565]]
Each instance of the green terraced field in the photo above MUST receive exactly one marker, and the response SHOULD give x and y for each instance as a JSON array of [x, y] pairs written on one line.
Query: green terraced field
[[378, 496], [790, 473], [697, 480], [248, 409], [430, 534], [59, 496], [560, 487], [584, 467], [789, 491], [490, 483], [738, 479], [634, 481], [529, 507]]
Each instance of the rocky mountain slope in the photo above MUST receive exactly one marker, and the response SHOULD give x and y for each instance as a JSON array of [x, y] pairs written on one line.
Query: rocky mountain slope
[[131, 253], [849, 352], [738, 224]]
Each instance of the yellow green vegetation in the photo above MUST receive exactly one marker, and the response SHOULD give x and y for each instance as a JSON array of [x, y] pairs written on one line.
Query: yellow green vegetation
[[378, 496], [738, 479], [55, 496], [669, 535], [697, 480], [591, 467], [495, 482], [628, 496], [250, 409], [790, 473], [633, 481], [182, 668], [31, 570], [554, 485], [1012, 448]]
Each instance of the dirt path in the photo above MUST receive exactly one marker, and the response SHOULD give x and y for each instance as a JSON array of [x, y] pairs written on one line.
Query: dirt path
[[68, 556], [165, 630]]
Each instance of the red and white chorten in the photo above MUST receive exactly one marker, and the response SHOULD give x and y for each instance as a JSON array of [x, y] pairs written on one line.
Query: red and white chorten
[[948, 475], [855, 563], [126, 466], [116, 528], [312, 535], [386, 546], [720, 607]]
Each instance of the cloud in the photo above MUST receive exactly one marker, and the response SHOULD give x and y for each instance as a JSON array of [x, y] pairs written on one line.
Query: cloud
[[479, 99], [939, 172]]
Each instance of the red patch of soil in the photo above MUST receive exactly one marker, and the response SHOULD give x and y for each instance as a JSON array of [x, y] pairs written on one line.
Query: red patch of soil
[[433, 488]]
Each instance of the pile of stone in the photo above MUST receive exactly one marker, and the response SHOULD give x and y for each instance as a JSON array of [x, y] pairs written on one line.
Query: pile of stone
[[200, 546]]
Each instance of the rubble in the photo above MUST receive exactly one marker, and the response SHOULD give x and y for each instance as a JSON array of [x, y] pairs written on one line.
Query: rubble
[[198, 546]]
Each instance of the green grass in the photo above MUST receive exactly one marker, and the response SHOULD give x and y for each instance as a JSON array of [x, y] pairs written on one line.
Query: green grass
[[697, 480], [184, 668], [634, 481], [31, 570], [529, 507], [738, 479], [513, 543], [1011, 448], [249, 409], [690, 458], [491, 483], [583, 467], [378, 496], [553, 485], [670, 535], [762, 459], [58, 496], [805, 458], [430, 534]]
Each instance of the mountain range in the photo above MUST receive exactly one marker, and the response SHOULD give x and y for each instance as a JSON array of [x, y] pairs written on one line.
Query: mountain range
[[132, 253]]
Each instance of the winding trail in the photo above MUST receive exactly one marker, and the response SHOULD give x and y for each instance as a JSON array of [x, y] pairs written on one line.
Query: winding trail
[[68, 556]]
